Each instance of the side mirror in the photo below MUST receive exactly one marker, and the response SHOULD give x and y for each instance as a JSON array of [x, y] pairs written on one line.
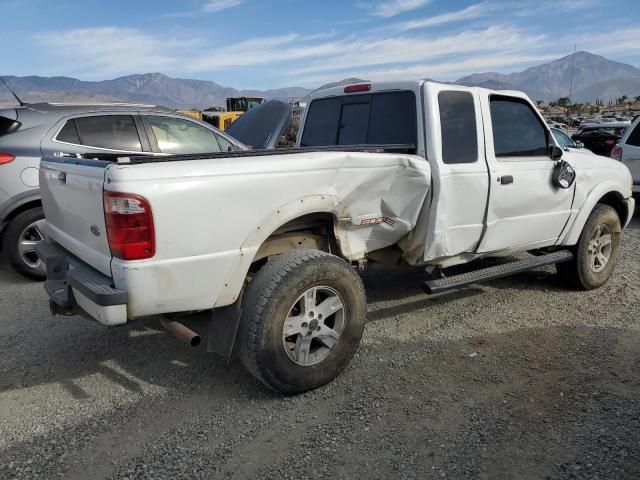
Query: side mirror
[[579, 144], [555, 152], [563, 175]]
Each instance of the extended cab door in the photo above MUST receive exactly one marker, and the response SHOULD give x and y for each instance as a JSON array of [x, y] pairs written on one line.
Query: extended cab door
[[525, 208], [460, 179]]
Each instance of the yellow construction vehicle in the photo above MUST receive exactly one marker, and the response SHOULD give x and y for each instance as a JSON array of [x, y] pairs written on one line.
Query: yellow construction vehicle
[[221, 120], [197, 114], [236, 106]]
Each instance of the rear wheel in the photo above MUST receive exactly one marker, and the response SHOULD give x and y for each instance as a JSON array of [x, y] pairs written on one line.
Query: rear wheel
[[302, 320], [20, 238], [597, 252]]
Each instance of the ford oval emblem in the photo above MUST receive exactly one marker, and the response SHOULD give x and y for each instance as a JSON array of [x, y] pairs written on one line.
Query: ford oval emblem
[[95, 230]]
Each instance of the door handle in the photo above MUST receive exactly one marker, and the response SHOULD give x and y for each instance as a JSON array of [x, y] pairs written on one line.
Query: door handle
[[506, 179], [62, 177]]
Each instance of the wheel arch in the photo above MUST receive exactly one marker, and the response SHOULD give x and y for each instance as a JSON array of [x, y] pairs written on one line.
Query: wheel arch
[[607, 195], [616, 201], [20, 205], [289, 227]]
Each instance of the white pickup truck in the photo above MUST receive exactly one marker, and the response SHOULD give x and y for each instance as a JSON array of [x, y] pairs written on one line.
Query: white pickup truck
[[410, 173]]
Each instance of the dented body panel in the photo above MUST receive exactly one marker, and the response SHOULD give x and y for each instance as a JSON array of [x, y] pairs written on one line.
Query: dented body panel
[[210, 224]]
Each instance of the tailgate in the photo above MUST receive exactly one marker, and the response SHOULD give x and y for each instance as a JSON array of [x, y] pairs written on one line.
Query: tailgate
[[73, 206]]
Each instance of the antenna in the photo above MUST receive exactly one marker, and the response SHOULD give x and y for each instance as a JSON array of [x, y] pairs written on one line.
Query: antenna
[[22, 104], [573, 67]]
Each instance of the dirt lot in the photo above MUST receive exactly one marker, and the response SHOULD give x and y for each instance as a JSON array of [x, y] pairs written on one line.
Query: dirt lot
[[519, 378]]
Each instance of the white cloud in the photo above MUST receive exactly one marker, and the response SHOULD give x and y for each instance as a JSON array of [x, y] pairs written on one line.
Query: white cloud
[[297, 59], [439, 70], [264, 51], [391, 8], [518, 8], [616, 41], [472, 11], [212, 6], [109, 50], [406, 49], [412, 49]]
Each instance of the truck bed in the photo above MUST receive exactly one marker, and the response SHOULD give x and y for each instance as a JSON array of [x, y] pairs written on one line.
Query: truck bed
[[211, 217], [140, 159]]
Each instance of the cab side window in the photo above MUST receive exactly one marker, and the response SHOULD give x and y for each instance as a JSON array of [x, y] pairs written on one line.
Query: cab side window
[[517, 130], [458, 125]]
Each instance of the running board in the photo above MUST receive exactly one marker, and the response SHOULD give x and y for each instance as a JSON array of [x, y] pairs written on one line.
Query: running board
[[493, 273]]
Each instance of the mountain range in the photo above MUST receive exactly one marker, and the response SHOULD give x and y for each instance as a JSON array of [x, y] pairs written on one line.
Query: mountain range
[[594, 77], [151, 88]]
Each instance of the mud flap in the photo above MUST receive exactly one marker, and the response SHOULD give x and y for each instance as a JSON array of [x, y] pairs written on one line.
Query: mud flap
[[223, 327]]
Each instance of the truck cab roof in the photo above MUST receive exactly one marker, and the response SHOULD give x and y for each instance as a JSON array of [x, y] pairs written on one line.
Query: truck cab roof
[[414, 85]]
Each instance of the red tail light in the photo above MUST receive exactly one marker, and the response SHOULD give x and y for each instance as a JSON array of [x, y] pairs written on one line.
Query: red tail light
[[129, 222], [365, 87], [6, 158], [616, 153]]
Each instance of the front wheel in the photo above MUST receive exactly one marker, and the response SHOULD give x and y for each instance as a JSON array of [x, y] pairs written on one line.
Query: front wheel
[[302, 320], [597, 252]]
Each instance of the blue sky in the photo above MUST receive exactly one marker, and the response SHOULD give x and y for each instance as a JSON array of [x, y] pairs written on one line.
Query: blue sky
[[274, 43]]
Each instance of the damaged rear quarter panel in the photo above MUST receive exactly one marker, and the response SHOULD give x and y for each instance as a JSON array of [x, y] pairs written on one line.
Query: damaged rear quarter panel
[[211, 216]]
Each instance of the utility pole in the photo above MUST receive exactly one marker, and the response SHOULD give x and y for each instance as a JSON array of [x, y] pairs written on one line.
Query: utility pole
[[573, 67]]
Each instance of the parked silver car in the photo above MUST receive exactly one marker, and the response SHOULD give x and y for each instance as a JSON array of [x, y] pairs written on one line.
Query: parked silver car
[[628, 152], [30, 131]]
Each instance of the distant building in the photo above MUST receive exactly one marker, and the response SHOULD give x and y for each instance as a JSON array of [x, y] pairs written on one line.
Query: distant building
[[555, 110], [622, 108]]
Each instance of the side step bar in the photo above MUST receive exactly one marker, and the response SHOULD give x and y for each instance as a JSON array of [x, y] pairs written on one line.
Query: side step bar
[[493, 273]]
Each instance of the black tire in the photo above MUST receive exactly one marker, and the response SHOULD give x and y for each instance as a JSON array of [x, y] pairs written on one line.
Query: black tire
[[11, 240], [269, 299], [579, 272]]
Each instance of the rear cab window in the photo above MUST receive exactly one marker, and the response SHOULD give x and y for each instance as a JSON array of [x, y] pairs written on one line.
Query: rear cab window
[[385, 118]]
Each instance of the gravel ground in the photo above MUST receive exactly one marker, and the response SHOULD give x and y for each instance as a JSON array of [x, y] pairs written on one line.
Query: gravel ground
[[519, 378]]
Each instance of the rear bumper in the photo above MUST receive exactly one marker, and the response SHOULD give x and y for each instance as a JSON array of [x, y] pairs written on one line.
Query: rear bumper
[[76, 288]]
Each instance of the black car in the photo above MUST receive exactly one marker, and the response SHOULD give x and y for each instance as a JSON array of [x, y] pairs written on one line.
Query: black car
[[600, 139]]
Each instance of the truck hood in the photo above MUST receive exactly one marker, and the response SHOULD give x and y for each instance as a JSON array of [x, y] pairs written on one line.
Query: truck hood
[[600, 169], [261, 126]]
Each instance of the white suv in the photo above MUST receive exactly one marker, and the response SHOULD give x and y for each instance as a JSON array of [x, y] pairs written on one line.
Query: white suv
[[628, 152]]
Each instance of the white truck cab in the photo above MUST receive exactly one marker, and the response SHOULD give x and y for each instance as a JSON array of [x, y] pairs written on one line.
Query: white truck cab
[[404, 173]]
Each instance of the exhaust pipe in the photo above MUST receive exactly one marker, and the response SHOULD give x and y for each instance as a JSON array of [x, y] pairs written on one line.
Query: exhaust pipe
[[182, 333]]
